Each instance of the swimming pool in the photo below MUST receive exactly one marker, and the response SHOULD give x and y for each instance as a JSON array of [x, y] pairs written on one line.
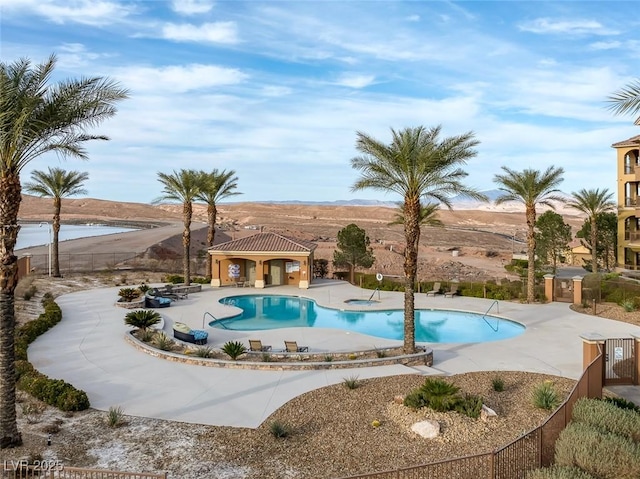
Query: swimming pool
[[262, 312]]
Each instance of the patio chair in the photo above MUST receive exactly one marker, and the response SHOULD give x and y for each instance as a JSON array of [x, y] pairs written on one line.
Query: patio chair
[[292, 347], [436, 290], [256, 345], [453, 290], [241, 281]]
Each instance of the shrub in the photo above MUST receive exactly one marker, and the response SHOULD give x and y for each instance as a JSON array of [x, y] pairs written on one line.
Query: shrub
[[143, 288], [267, 358], [435, 393], [545, 396], [381, 353], [204, 352], [200, 280], [163, 342], [234, 349], [498, 384], [142, 319], [115, 417], [328, 358], [586, 447], [607, 417], [622, 403], [558, 472], [351, 382], [32, 411], [629, 305], [470, 405], [128, 294], [279, 429], [174, 279], [30, 293]]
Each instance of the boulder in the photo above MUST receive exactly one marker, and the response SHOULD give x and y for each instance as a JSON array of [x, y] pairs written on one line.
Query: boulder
[[428, 429], [487, 413]]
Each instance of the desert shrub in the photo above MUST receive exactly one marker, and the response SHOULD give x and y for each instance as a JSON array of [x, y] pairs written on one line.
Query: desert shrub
[[558, 472], [607, 417], [435, 393], [351, 382], [622, 403], [32, 411], [128, 294], [174, 278], [328, 358], [143, 288], [629, 305], [163, 342], [381, 353], [498, 384], [52, 428], [54, 392], [146, 335], [585, 447], [142, 319], [545, 396], [200, 280], [30, 292], [115, 417], [279, 429], [470, 405], [234, 349], [204, 352]]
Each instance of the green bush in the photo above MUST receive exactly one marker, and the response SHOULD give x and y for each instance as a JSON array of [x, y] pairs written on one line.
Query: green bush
[[545, 396], [54, 392], [607, 417], [470, 405], [200, 280], [435, 393], [163, 342], [279, 429], [234, 349], [128, 294], [174, 279], [143, 288], [601, 454], [622, 403], [498, 384], [142, 319], [629, 305], [204, 352], [352, 382], [115, 417], [558, 472]]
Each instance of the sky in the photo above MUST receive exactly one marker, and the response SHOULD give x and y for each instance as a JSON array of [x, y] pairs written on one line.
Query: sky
[[277, 90]]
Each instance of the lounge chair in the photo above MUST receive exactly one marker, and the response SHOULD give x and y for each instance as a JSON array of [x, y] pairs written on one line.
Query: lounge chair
[[453, 290], [436, 290], [256, 345], [292, 347], [241, 282], [184, 333]]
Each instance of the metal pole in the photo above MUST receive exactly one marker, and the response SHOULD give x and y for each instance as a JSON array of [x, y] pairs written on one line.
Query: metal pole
[[50, 231]]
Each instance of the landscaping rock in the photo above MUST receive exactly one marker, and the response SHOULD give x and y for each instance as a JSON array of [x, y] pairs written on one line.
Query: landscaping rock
[[427, 429]]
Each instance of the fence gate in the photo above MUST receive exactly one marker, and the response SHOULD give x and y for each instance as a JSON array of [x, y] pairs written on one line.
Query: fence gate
[[619, 361], [563, 290]]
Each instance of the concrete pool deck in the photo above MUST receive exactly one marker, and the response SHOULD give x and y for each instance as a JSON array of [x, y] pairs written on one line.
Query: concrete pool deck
[[88, 350]]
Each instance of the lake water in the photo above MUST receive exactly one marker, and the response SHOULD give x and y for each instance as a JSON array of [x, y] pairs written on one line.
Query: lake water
[[36, 235]]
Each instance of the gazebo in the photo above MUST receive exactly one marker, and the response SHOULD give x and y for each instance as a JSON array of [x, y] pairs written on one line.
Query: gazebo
[[261, 260]]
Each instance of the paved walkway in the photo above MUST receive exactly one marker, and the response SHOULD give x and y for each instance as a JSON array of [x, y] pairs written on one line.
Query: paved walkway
[[88, 350]]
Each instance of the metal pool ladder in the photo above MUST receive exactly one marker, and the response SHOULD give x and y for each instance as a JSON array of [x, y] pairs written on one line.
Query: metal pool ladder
[[497, 305], [214, 318]]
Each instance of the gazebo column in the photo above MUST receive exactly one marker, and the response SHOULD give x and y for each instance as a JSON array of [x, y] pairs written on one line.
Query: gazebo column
[[216, 282]]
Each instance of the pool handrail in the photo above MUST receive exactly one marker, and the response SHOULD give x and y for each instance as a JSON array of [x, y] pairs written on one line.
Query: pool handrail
[[214, 318], [487, 312]]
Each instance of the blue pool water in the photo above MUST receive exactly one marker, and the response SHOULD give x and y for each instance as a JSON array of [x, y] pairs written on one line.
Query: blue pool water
[[262, 312]]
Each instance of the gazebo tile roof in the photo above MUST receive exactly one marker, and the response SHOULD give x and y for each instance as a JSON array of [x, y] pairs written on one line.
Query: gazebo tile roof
[[633, 141], [272, 242]]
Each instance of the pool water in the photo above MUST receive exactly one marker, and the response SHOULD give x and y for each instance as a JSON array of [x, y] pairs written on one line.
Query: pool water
[[261, 312]]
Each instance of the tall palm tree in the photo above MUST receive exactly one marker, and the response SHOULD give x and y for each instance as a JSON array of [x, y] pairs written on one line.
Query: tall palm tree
[[428, 216], [36, 117], [531, 188], [182, 186], [416, 165], [592, 203], [57, 184], [215, 186], [626, 100]]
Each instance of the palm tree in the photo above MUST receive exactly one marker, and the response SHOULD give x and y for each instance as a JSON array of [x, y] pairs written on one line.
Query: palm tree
[[57, 184], [428, 216], [415, 165], [36, 117], [592, 203], [626, 100], [142, 319], [531, 188], [214, 187], [182, 186]]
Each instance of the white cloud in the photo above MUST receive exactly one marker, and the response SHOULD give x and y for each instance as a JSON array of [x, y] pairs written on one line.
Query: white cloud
[[413, 18], [355, 80], [611, 45], [178, 78], [191, 7], [87, 12], [547, 25], [218, 32]]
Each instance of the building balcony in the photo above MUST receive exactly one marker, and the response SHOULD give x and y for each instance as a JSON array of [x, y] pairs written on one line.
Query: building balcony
[[632, 236], [632, 202]]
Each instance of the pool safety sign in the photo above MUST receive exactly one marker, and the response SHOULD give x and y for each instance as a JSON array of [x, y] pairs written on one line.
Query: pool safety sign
[[617, 354]]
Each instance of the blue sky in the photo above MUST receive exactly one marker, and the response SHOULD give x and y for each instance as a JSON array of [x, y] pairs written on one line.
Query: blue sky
[[277, 90]]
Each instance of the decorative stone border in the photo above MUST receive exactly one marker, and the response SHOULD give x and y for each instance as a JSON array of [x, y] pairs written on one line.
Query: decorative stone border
[[135, 304], [298, 362]]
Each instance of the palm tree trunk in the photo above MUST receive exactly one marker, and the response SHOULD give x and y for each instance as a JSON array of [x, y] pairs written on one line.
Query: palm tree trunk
[[412, 237], [9, 189], [531, 254], [212, 213], [57, 205], [187, 212], [594, 243]]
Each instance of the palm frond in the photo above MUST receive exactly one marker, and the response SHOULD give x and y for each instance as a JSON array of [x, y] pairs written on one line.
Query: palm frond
[[626, 100]]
